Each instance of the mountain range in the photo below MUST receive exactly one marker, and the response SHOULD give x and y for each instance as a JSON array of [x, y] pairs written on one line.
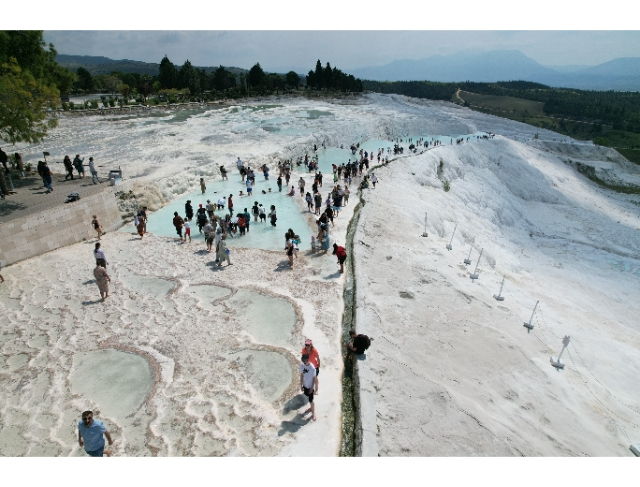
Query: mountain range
[[621, 74], [103, 65]]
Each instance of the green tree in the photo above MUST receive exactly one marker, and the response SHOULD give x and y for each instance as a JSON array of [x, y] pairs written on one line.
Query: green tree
[[256, 76], [30, 84], [188, 77], [243, 84], [223, 79], [23, 104], [327, 77], [85, 80], [319, 78], [28, 48], [168, 74], [125, 90], [145, 89], [311, 79], [111, 83], [292, 78]]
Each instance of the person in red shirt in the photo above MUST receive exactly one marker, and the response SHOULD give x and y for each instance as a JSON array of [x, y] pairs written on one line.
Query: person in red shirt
[[341, 254], [314, 357], [230, 204]]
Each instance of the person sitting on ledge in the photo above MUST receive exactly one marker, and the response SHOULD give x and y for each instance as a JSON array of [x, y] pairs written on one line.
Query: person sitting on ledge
[[358, 344]]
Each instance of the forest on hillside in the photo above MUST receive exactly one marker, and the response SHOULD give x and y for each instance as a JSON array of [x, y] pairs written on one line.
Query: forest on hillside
[[619, 109]]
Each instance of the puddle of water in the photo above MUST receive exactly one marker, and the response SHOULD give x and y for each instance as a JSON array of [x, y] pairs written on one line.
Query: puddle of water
[[118, 382], [269, 373], [153, 286], [312, 114], [272, 328], [205, 294]]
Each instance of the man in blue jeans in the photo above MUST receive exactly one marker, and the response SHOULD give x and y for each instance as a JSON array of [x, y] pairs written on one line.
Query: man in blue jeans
[[94, 171], [90, 433]]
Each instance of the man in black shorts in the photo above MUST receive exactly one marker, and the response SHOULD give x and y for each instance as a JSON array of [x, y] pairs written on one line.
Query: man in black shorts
[[308, 383]]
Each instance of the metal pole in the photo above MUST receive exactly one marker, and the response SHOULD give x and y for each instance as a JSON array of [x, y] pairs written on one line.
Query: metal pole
[[452, 235], [499, 297], [478, 263], [534, 312], [565, 344], [530, 325], [467, 261]]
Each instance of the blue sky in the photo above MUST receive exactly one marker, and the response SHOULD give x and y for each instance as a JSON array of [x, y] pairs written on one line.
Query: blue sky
[[284, 50]]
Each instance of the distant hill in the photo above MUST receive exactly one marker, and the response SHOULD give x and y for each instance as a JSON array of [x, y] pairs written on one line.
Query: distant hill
[[619, 74], [104, 65]]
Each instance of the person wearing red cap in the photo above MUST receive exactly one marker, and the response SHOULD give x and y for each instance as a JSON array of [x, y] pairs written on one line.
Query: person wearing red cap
[[314, 357]]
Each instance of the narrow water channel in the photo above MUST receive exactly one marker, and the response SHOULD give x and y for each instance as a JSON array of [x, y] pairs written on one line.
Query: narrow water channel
[[348, 443]]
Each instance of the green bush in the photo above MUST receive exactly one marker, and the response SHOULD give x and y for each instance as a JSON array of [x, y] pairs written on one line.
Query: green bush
[[65, 106], [112, 102], [601, 141], [447, 186], [94, 103]]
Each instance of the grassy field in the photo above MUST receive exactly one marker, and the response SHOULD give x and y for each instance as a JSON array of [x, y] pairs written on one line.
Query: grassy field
[[632, 155], [517, 107]]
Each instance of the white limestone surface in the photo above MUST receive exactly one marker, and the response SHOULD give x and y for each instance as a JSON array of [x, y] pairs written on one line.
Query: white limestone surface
[[451, 370]]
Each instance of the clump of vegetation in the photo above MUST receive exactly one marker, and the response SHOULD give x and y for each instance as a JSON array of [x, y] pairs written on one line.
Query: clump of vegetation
[[603, 141], [447, 186]]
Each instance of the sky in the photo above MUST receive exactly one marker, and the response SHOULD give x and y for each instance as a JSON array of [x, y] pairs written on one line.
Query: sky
[[282, 50]]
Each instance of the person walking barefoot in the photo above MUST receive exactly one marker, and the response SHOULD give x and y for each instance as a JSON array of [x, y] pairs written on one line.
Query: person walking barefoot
[[102, 280], [289, 249], [314, 356], [308, 383], [341, 254], [96, 226]]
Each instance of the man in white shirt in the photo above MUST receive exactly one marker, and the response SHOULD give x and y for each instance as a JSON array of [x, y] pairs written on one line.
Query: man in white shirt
[[94, 172], [239, 163], [308, 383], [222, 202]]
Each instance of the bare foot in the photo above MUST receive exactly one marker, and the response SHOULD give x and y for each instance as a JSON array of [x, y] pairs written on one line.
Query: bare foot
[[314, 417], [307, 411]]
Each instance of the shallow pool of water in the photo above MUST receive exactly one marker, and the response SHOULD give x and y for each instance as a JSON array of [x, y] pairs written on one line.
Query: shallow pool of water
[[272, 328], [261, 235], [269, 373], [117, 382]]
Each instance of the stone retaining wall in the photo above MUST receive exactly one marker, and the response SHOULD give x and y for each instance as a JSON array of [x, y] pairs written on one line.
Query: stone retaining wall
[[59, 226]]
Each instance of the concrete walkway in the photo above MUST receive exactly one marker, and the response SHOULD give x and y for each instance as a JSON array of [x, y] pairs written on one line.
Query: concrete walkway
[[31, 197]]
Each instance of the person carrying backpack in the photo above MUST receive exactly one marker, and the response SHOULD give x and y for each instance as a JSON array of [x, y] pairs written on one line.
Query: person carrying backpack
[[358, 344]]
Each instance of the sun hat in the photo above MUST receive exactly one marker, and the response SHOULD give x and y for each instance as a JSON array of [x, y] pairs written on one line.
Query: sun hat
[[308, 342]]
